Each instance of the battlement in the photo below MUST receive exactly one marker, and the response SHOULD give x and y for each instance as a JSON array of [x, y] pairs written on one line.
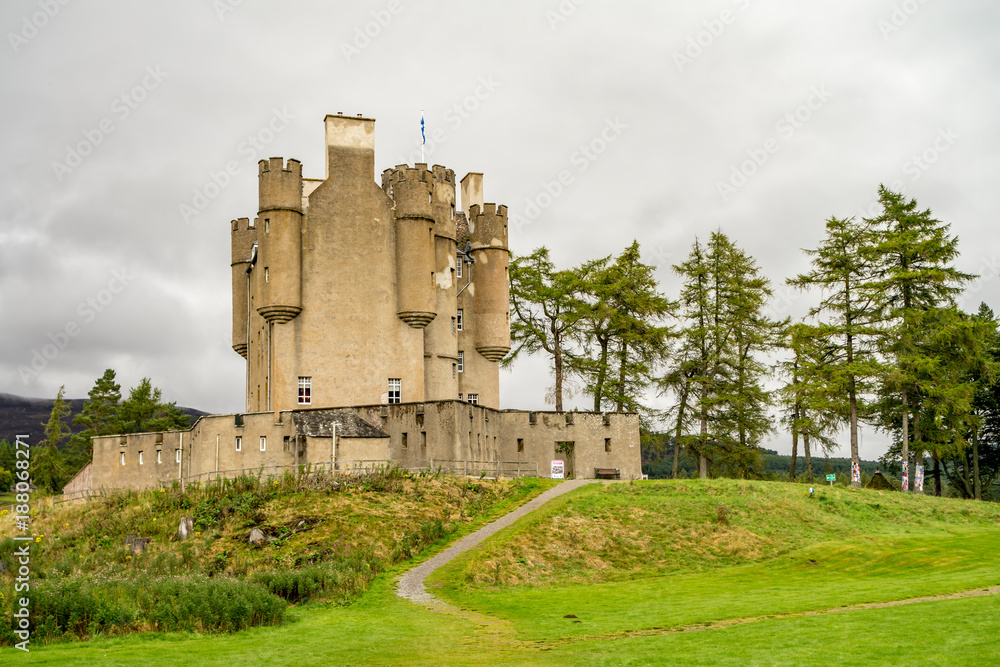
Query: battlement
[[280, 186], [488, 226], [243, 237], [241, 224], [418, 172], [278, 164]]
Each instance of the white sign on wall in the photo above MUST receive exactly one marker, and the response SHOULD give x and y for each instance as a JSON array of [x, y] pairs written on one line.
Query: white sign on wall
[[558, 470]]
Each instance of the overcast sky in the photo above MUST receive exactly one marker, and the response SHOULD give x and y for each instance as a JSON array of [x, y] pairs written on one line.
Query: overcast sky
[[663, 122]]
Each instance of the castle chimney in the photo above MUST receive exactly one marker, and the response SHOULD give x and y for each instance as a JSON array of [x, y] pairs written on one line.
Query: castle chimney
[[472, 191], [350, 146]]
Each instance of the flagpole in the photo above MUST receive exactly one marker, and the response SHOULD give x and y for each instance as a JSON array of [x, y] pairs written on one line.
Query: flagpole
[[423, 138]]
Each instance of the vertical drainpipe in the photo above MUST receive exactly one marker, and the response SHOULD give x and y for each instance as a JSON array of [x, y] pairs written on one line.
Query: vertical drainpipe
[[180, 464], [270, 380], [247, 385]]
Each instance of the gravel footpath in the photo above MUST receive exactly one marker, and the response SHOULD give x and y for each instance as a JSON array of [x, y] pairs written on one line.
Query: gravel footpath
[[411, 585]]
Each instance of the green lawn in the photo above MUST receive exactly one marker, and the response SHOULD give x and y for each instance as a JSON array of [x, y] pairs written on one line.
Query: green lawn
[[937, 547], [821, 577]]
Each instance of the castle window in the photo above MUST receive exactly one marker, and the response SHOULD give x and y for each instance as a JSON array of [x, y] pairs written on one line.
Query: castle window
[[460, 319], [267, 278], [520, 444], [453, 325], [305, 390], [267, 225], [458, 269], [286, 443], [239, 443], [459, 397], [404, 440], [452, 210], [430, 198], [177, 456], [453, 371], [474, 399], [263, 443], [607, 445], [395, 390], [461, 361], [159, 456], [140, 458], [123, 458]]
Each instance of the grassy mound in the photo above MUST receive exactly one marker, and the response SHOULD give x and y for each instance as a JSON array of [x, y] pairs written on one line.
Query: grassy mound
[[618, 532], [326, 538]]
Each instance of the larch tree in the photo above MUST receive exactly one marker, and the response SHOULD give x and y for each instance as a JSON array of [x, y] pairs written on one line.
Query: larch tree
[[913, 256], [724, 329], [844, 272], [144, 411], [957, 352], [48, 470], [622, 335], [639, 338], [98, 417], [696, 303], [812, 413], [545, 314]]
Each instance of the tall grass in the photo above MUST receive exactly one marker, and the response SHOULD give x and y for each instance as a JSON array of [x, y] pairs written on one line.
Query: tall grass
[[80, 608]]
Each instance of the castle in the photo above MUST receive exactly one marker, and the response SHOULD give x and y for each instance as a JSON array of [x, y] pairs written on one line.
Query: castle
[[372, 320]]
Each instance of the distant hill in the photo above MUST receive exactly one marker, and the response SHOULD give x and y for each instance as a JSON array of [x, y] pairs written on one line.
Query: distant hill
[[20, 415]]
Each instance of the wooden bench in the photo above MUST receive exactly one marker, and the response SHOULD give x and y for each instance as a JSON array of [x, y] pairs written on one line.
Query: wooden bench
[[607, 473]]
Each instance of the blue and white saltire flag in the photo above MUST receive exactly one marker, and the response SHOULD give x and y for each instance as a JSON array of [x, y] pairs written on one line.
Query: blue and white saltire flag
[[423, 137]]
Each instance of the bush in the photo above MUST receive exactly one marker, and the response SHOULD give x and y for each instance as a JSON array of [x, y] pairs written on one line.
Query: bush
[[78, 608]]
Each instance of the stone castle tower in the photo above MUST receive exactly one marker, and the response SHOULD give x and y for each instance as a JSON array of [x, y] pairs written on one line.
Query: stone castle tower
[[345, 293]]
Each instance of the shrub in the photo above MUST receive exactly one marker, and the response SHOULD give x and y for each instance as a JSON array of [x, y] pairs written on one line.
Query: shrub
[[79, 607]]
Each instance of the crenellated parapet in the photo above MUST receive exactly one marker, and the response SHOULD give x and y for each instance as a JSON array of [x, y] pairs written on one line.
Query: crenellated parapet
[[418, 172], [279, 229], [488, 227]]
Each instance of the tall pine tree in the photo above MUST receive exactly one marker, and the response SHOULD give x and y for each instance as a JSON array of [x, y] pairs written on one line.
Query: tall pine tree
[[913, 258], [844, 271], [545, 313], [724, 329], [98, 417], [48, 467]]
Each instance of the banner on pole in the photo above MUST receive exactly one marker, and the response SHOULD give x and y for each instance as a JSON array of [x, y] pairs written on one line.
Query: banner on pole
[[906, 475]]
